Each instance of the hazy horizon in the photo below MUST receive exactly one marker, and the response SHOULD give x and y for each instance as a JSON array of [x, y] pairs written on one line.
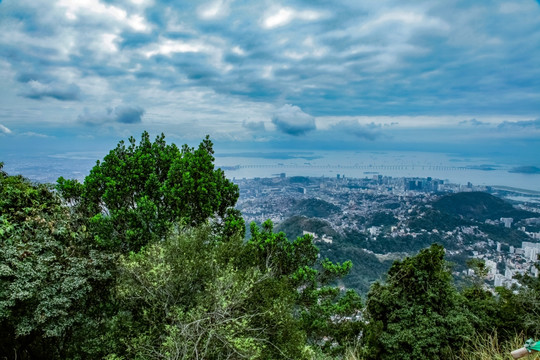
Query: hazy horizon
[[448, 77]]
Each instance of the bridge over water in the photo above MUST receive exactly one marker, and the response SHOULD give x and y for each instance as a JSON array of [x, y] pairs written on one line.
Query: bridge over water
[[355, 167]]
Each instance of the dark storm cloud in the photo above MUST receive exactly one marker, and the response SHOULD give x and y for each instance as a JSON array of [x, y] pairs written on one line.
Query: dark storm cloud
[[121, 114], [291, 120]]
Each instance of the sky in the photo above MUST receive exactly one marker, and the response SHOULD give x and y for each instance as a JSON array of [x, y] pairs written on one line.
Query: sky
[[438, 76]]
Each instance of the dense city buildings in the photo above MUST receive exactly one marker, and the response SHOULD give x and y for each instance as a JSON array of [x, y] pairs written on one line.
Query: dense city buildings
[[389, 218]]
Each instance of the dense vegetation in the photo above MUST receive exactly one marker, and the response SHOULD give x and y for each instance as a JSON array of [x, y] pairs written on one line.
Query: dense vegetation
[[314, 208], [147, 259], [479, 206]]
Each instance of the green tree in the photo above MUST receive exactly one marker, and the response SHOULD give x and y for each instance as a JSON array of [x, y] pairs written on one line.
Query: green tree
[[526, 302], [482, 303], [326, 315], [185, 298], [51, 279], [417, 313], [134, 195]]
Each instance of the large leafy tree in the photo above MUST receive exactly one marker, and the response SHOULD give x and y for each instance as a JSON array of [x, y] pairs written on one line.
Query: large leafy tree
[[183, 298], [138, 190], [51, 279], [417, 313]]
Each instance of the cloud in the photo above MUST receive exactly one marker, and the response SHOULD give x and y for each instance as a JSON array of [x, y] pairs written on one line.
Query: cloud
[[35, 134], [369, 131], [128, 114], [346, 59], [94, 8], [283, 16], [473, 122], [529, 124], [121, 114], [63, 92], [291, 120], [4, 129], [255, 126], [214, 10]]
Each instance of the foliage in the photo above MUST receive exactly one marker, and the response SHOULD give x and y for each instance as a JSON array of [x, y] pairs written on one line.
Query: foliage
[[328, 315], [127, 265], [367, 267], [50, 279], [482, 303], [479, 206], [489, 346], [504, 235], [434, 219], [184, 299], [527, 298], [137, 191], [382, 218], [314, 208], [417, 312], [295, 225]]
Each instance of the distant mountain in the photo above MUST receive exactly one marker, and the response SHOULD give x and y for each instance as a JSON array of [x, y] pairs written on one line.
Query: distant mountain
[[479, 206], [525, 170]]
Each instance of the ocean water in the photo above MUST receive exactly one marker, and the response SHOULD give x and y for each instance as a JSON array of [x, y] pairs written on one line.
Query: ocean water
[[478, 171], [447, 167]]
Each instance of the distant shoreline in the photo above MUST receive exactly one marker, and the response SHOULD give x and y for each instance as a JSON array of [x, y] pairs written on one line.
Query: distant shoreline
[[517, 190], [525, 170]]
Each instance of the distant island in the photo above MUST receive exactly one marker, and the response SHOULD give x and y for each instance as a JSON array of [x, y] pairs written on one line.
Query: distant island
[[482, 167], [525, 170]]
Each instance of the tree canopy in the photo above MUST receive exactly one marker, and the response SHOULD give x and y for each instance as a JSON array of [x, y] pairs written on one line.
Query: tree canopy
[[417, 313], [134, 195], [51, 277]]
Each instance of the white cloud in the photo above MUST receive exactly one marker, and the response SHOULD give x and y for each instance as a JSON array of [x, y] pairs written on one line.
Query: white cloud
[[214, 10], [238, 50], [4, 129], [408, 22], [283, 16], [307, 49], [109, 42], [168, 47], [82, 8], [35, 134]]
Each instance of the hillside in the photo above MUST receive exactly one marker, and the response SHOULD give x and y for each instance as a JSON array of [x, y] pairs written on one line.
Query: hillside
[[295, 225], [479, 206], [314, 208]]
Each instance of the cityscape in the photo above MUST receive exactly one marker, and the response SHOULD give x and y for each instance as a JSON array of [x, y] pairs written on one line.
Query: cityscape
[[382, 215]]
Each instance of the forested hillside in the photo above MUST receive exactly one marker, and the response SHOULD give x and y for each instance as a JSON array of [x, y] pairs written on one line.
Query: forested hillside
[[479, 206], [147, 258]]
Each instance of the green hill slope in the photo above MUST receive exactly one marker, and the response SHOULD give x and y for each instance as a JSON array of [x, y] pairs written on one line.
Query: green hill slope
[[479, 206]]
